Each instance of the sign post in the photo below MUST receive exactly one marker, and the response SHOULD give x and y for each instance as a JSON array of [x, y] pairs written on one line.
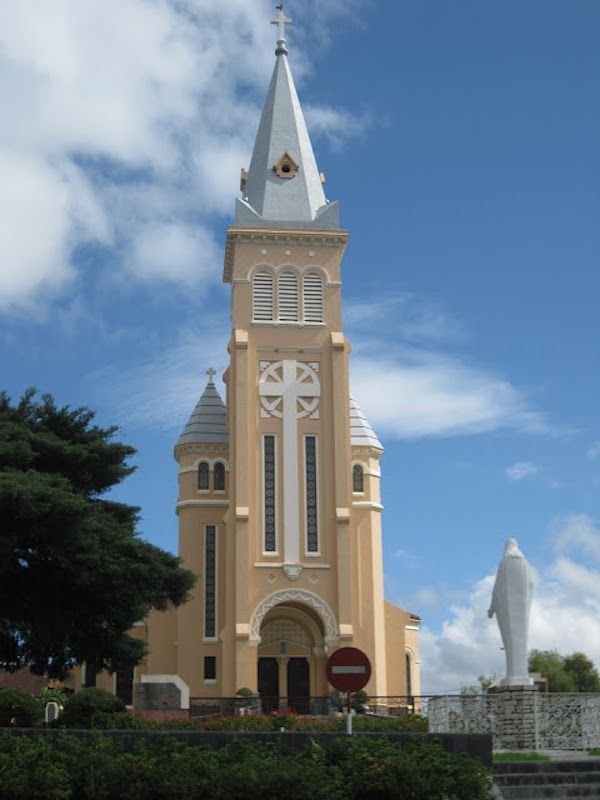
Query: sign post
[[348, 670]]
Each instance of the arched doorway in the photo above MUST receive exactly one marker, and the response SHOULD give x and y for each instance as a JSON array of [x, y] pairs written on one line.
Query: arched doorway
[[291, 658]]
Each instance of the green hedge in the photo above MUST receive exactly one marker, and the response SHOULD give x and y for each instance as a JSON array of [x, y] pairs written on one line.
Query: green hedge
[[347, 768], [260, 722], [83, 707], [20, 709]]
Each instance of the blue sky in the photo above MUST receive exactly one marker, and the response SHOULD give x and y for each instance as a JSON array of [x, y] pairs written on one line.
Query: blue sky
[[461, 141]]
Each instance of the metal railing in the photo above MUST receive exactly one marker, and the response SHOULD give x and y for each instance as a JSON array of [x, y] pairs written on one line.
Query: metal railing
[[390, 706]]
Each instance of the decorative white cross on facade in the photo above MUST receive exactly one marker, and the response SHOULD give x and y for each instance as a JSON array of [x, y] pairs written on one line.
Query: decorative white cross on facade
[[211, 374], [290, 390], [281, 21]]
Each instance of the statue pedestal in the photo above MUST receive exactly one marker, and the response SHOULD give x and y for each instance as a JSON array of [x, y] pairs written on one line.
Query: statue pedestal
[[515, 717]]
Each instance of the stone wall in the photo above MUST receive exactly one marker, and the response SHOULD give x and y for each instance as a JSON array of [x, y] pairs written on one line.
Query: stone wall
[[521, 718]]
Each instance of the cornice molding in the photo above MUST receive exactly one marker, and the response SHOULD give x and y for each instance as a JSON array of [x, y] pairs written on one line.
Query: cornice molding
[[200, 448], [320, 238]]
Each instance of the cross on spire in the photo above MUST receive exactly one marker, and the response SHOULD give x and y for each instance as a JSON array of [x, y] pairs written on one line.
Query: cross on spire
[[211, 374], [281, 21]]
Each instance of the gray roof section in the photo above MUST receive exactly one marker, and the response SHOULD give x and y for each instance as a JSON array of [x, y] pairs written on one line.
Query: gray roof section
[[208, 423], [284, 202], [361, 433]]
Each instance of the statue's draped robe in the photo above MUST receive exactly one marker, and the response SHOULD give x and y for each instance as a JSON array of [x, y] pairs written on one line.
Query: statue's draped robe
[[511, 602]]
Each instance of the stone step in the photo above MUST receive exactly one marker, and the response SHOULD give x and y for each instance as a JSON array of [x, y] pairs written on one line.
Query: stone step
[[546, 778], [558, 792], [536, 780], [521, 767]]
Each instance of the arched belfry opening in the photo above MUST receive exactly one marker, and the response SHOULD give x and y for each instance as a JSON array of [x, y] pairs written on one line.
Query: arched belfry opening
[[291, 658]]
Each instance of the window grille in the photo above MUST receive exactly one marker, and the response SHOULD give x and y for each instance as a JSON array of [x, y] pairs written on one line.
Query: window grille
[[262, 296], [313, 298], [357, 478], [312, 527], [287, 297], [210, 581], [203, 475], [270, 540], [219, 477]]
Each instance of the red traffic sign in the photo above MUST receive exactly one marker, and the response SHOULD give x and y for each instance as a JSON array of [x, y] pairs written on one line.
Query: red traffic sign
[[348, 669]]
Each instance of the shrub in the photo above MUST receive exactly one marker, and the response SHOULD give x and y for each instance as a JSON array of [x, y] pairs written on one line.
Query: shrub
[[19, 708], [81, 708], [345, 768]]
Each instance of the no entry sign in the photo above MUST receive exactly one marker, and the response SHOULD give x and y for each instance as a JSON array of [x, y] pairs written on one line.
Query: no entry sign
[[348, 669]]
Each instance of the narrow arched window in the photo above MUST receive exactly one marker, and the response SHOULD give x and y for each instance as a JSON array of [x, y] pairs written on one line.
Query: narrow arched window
[[219, 477], [408, 676], [313, 298], [287, 297], [262, 296], [203, 475], [358, 481]]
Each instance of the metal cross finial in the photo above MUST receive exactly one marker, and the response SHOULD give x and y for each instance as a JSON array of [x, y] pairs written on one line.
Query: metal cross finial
[[281, 21], [211, 374]]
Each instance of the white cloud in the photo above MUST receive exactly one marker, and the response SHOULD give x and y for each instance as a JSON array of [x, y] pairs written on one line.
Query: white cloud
[[406, 314], [336, 124], [414, 393], [566, 602], [577, 532], [184, 254], [520, 470], [593, 452], [162, 392], [120, 116]]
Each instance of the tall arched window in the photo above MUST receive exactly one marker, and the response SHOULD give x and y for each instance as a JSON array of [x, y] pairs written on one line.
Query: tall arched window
[[203, 475], [358, 481], [287, 297], [219, 477], [408, 676], [262, 296], [313, 298]]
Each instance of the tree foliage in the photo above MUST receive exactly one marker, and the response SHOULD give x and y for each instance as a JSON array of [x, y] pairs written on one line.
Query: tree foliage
[[574, 673], [74, 573]]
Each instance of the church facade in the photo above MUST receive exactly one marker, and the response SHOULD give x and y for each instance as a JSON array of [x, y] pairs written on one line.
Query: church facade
[[279, 486]]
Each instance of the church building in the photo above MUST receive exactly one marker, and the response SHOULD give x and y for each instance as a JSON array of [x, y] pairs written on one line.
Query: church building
[[279, 486]]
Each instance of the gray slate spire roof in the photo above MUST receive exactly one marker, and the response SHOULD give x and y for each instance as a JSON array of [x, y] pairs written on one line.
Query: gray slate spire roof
[[273, 201], [361, 433], [208, 422]]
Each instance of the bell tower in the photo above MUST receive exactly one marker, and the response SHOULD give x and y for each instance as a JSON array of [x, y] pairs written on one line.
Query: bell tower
[[279, 503]]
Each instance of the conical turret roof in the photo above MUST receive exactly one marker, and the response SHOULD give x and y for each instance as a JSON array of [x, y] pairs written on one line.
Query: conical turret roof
[[361, 433], [283, 186], [208, 422]]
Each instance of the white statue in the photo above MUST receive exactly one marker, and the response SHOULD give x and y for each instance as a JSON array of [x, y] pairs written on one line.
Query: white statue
[[511, 601]]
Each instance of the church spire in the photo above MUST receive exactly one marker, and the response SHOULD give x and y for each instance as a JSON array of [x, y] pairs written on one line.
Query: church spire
[[283, 187]]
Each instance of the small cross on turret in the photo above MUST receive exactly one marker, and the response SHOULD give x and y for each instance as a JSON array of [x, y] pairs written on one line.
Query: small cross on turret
[[281, 21], [211, 374]]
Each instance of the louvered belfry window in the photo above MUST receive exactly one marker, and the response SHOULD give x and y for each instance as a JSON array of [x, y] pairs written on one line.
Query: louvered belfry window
[[262, 296], [313, 298], [287, 297]]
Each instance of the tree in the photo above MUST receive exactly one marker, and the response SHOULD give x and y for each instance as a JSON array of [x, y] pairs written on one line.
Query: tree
[[74, 573], [574, 673]]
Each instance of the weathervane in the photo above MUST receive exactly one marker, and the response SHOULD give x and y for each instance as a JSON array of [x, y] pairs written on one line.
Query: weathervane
[[281, 21]]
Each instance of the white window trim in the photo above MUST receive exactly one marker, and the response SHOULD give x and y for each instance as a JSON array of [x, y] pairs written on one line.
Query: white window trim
[[214, 638], [313, 553], [270, 553]]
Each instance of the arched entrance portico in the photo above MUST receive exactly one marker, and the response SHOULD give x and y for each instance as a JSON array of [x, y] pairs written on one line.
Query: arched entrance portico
[[292, 637]]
